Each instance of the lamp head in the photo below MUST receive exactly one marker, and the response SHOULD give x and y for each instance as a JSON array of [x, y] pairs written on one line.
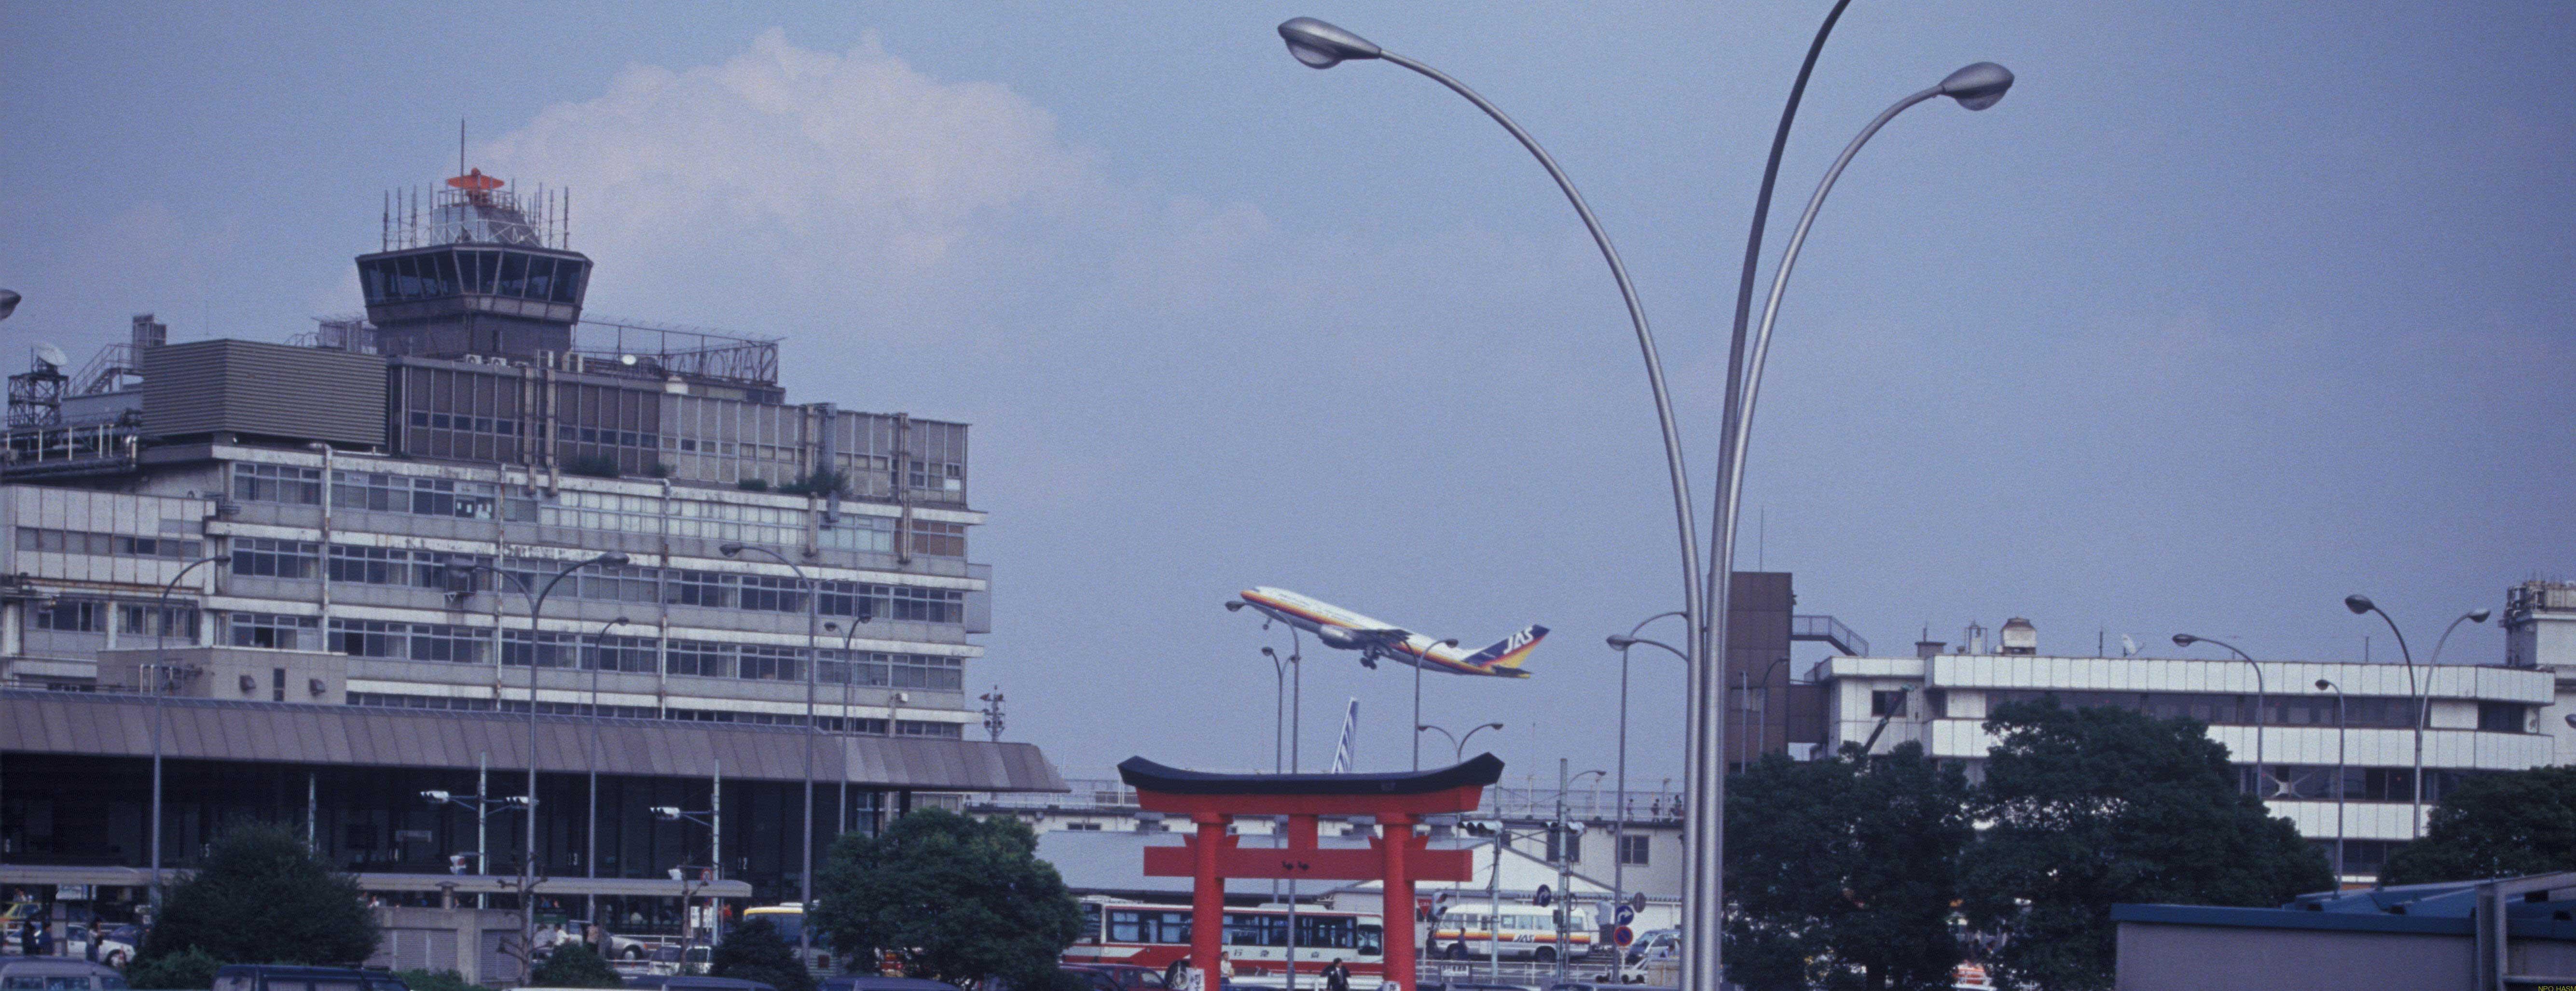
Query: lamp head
[[666, 813], [729, 550], [1493, 725], [1323, 46], [1977, 86], [834, 627], [2185, 640], [2324, 685], [1621, 641], [612, 557], [435, 797], [2359, 604], [2480, 615], [1269, 653]]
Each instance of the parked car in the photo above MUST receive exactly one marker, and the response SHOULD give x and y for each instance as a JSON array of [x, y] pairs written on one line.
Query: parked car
[[118, 945], [59, 974], [280, 977], [1655, 944], [670, 961]]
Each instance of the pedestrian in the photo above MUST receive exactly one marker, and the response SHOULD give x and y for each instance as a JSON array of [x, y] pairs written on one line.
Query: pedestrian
[[1337, 977], [27, 937]]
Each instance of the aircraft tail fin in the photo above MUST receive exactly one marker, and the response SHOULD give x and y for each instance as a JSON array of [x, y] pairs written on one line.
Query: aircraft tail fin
[[1506, 654]]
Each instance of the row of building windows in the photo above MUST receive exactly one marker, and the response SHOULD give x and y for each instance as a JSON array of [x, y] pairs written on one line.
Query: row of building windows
[[92, 615], [2234, 710], [107, 544], [699, 518], [272, 558], [499, 426], [429, 275], [387, 640]]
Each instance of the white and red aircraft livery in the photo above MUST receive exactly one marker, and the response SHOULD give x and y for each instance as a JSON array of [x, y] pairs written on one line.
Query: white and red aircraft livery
[[1347, 630]]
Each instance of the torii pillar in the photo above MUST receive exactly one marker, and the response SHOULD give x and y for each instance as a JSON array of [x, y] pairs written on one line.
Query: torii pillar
[[1395, 856]]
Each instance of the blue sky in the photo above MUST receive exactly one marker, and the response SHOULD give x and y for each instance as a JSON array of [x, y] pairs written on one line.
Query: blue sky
[[2225, 312]]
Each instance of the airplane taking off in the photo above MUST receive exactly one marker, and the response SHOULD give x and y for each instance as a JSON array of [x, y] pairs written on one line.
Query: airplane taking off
[[1347, 630]]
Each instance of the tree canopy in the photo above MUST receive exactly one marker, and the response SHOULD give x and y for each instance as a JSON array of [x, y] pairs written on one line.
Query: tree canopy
[[754, 951], [1842, 871], [261, 897], [2495, 825], [957, 898], [575, 965], [2101, 805]]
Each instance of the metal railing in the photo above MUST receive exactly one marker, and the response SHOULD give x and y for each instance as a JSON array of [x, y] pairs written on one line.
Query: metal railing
[[1828, 630]]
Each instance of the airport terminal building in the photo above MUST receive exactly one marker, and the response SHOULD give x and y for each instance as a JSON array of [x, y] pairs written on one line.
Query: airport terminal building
[[306, 573], [2477, 718]]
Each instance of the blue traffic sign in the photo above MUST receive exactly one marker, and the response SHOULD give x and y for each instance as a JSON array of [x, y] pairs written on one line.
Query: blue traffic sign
[[1543, 897], [1625, 915]]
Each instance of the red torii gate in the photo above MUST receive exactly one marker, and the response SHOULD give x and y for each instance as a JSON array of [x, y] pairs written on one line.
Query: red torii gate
[[1397, 800]]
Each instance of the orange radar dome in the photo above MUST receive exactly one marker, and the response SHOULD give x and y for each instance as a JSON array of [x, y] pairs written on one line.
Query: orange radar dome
[[476, 181]]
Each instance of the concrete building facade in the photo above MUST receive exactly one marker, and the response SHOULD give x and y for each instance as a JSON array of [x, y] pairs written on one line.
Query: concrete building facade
[[360, 524]]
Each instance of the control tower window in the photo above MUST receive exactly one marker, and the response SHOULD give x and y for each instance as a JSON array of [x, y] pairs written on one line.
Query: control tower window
[[514, 275], [567, 281], [541, 278]]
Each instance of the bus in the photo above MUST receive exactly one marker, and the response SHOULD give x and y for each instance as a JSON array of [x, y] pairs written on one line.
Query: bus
[[1256, 939], [1466, 931]]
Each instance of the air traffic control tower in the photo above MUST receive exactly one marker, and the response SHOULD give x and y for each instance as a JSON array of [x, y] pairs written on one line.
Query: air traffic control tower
[[488, 272]]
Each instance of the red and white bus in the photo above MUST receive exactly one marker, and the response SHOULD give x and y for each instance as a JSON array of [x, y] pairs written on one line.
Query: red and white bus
[[1256, 939]]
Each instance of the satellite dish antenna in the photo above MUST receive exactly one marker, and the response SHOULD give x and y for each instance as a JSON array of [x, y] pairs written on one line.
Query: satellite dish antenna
[[626, 359], [52, 355]]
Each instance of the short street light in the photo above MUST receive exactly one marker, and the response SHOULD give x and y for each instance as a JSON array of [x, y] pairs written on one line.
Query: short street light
[[2328, 686], [483, 807], [1457, 744]]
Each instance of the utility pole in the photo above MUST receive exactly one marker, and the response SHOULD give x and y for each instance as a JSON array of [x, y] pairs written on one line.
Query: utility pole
[[1564, 870]]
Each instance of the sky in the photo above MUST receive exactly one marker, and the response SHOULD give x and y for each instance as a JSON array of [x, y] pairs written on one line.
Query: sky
[[2225, 312]]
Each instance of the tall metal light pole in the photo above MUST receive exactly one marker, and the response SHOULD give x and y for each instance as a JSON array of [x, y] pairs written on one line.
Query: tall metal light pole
[[2361, 605], [590, 833], [160, 675], [2186, 640], [1322, 46], [536, 620], [813, 653], [1619, 826], [1976, 87], [864, 611], [2324, 685], [1418, 661]]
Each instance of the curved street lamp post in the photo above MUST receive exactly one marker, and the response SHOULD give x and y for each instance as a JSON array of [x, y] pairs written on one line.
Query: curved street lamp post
[[2186, 640], [160, 667], [813, 653], [2323, 686], [1320, 45], [1457, 744]]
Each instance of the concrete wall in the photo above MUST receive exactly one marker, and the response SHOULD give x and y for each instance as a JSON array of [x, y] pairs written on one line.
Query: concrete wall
[[466, 940]]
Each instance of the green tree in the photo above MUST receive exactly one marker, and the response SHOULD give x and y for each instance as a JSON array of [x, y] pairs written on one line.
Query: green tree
[[261, 897], [2095, 806], [185, 970], [959, 898], [754, 951], [2495, 825], [573, 965], [1841, 872]]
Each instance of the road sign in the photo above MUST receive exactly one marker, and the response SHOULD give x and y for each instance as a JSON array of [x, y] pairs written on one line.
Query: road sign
[[1544, 897], [1637, 902], [1626, 915], [1623, 935]]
